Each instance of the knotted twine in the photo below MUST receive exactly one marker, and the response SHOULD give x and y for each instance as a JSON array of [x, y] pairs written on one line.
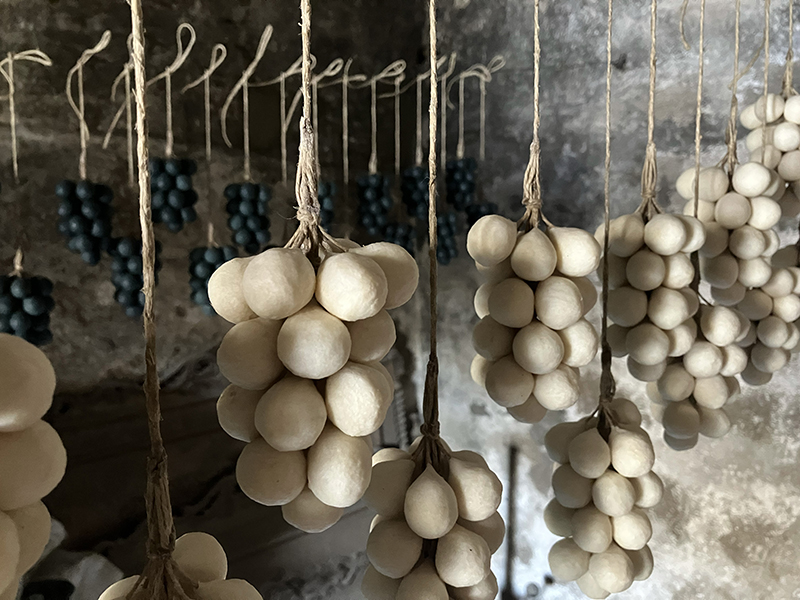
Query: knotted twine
[[788, 90], [649, 206], [731, 132]]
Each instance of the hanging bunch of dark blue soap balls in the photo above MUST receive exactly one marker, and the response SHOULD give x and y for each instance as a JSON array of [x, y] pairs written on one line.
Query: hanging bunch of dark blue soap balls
[[248, 207], [460, 180], [476, 211], [446, 230], [173, 197], [25, 305], [202, 264], [85, 217], [414, 188], [402, 234], [127, 274], [374, 203], [326, 193]]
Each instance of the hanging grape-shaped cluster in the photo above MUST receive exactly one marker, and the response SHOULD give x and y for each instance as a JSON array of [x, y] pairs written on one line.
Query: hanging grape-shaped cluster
[[414, 189], [25, 305], [85, 217], [446, 232], [32, 458], [374, 203], [533, 335], [460, 180], [326, 194], [402, 234], [202, 264], [602, 487], [127, 274], [248, 207], [651, 303], [202, 560], [172, 196], [433, 536], [303, 359]]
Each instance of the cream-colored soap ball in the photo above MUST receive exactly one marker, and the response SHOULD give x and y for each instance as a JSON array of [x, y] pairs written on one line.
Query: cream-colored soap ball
[[478, 491], [632, 453], [116, 591], [591, 529], [351, 286], [491, 529], [767, 360], [33, 526], [632, 531], [748, 117], [558, 303], [713, 184], [423, 583], [559, 389], [720, 325], [665, 234], [756, 138], [312, 343], [678, 271], [787, 308], [616, 339], [236, 410], [751, 179], [646, 372], [393, 548], [9, 552], [559, 437], [278, 282], [491, 239], [645, 270], [481, 300], [529, 411], [534, 258], [791, 110], [721, 271], [755, 305], [626, 235], [201, 557], [571, 490], [537, 348], [558, 519], [268, 476], [711, 392], [511, 303], [478, 370], [681, 338], [498, 272], [387, 488], [580, 343], [681, 420], [357, 398], [29, 382], [765, 213], [702, 210], [375, 586], [485, 590], [647, 344], [695, 233], [567, 560], [588, 292], [577, 252], [676, 383], [492, 340], [703, 360], [291, 414], [248, 354], [372, 338], [714, 423], [773, 332], [590, 587], [225, 291], [613, 494], [716, 240], [754, 273], [780, 284], [789, 169], [627, 306], [339, 467], [734, 360], [589, 454], [617, 267], [431, 506], [667, 309], [769, 108], [747, 242], [308, 514], [648, 489], [507, 383], [399, 267], [612, 569], [228, 589]]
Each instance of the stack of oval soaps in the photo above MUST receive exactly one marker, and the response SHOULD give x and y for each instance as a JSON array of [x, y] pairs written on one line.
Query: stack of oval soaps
[[32, 458], [688, 398], [603, 483], [651, 303], [533, 335], [203, 562], [433, 537], [303, 358], [781, 117]]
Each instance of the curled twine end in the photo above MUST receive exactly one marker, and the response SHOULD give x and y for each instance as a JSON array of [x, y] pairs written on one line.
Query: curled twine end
[[532, 191], [18, 258]]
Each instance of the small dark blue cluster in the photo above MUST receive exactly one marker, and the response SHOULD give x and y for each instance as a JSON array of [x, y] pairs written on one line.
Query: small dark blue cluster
[[414, 188], [460, 180], [126, 273], [25, 305], [85, 217], [402, 234], [173, 198], [374, 203], [202, 264], [446, 232], [248, 206], [326, 193]]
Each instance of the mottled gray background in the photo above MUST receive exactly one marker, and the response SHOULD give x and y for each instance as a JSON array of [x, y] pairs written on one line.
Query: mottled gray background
[[728, 527]]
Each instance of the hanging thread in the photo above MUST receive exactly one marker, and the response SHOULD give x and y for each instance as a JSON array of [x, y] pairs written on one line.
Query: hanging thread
[[731, 131], [699, 112], [127, 107], [649, 205], [532, 187], [443, 111], [767, 4], [391, 72], [788, 90], [18, 259], [398, 80]]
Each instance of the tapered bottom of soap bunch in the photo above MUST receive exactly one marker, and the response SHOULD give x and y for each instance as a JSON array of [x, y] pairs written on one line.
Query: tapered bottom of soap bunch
[[433, 537], [602, 485]]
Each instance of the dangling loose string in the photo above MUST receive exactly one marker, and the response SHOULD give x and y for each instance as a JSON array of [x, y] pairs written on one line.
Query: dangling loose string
[[18, 259], [460, 145], [443, 117], [767, 4], [80, 108], [346, 123], [649, 205], [731, 132], [398, 80], [531, 186], [788, 90], [607, 383], [418, 146], [390, 73], [699, 113], [127, 108]]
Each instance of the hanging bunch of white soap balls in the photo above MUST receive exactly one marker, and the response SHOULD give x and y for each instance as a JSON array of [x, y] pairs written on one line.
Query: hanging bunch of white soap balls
[[303, 359], [602, 485], [433, 537], [650, 303], [32, 458], [533, 335], [782, 117], [688, 398], [201, 558]]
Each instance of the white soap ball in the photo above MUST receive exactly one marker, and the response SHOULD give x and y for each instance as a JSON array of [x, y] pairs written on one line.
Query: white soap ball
[[278, 282], [695, 234], [755, 139], [665, 234], [491, 529], [748, 117], [229, 589], [711, 392], [720, 271], [538, 349], [647, 344], [200, 557], [648, 489], [375, 586], [747, 242], [789, 169], [632, 531], [478, 369], [9, 552], [371, 338], [351, 286], [571, 490], [787, 308], [558, 302], [567, 560], [755, 305], [612, 569], [357, 398], [716, 240], [268, 476], [613, 494], [769, 156], [485, 590], [748, 339], [529, 411], [346, 243], [32, 463], [682, 337], [632, 453], [766, 359], [580, 343], [765, 213], [534, 258], [225, 291], [652, 393], [794, 338], [431, 506], [713, 184], [559, 437], [791, 110], [248, 354], [627, 306], [577, 252], [703, 211], [423, 583], [588, 292], [773, 243], [617, 267], [714, 423], [734, 360], [626, 235], [462, 558], [646, 372], [491, 339], [399, 267], [236, 409], [703, 360], [117, 591], [591, 529], [511, 303], [589, 455], [753, 376], [681, 420], [692, 299], [680, 444], [751, 179], [312, 343], [780, 284], [498, 272], [29, 382], [507, 383], [339, 467], [616, 339], [733, 211], [33, 526], [481, 301], [769, 108], [645, 270], [308, 514], [642, 563], [730, 296], [558, 519], [625, 412], [667, 309], [590, 587], [393, 548], [676, 383], [291, 414], [720, 325], [558, 389], [678, 271], [491, 239], [478, 490], [773, 332], [777, 187]]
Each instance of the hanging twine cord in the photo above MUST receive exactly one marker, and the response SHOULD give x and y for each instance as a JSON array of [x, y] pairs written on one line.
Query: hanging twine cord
[[80, 108], [649, 205], [18, 259], [767, 5], [788, 90], [398, 80], [698, 137], [443, 112], [731, 132], [127, 107], [531, 185], [7, 71], [607, 383]]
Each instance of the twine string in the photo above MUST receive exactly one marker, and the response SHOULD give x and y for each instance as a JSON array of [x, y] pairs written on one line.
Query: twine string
[[531, 186], [17, 265], [698, 137], [788, 90], [649, 205], [398, 80], [767, 5], [731, 131], [218, 55], [127, 108], [460, 145]]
